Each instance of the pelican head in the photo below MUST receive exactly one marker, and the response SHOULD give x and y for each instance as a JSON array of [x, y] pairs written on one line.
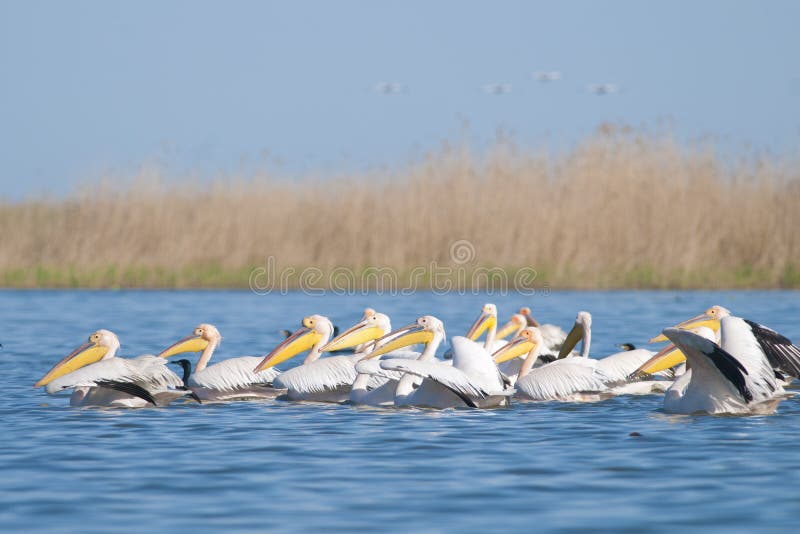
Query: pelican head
[[373, 325], [527, 341], [203, 336], [709, 319], [424, 330], [526, 312], [486, 320], [513, 326], [580, 332], [101, 345], [315, 330]]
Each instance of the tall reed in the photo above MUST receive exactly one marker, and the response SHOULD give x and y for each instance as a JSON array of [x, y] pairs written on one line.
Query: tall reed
[[622, 209]]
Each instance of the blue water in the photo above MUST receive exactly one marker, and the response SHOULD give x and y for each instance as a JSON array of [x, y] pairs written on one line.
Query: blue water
[[274, 465]]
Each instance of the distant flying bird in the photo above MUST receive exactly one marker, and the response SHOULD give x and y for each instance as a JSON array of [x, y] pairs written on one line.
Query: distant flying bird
[[497, 88], [602, 88], [389, 88], [547, 76]]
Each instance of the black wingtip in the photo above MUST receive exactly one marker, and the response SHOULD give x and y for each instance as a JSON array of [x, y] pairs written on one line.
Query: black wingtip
[[732, 369], [129, 388]]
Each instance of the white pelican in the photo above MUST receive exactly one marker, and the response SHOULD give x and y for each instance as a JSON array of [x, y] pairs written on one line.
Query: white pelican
[[617, 367], [779, 350], [732, 378], [373, 386], [569, 379], [317, 379], [99, 378], [486, 322], [231, 379], [472, 380], [553, 335]]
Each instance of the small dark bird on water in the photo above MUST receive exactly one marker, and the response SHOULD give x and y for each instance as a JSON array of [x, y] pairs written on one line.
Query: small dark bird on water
[[186, 365]]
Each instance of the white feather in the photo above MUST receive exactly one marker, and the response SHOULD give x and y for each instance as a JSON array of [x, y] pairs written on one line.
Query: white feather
[[618, 367], [325, 374], [232, 374], [563, 379]]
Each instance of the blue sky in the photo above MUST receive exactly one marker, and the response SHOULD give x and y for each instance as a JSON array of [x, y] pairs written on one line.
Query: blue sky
[[91, 86]]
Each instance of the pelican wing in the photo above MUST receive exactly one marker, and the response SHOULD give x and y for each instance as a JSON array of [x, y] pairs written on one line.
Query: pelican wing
[[148, 372], [704, 355], [158, 375], [129, 388], [563, 379], [780, 351], [373, 368], [233, 374], [322, 375], [450, 377]]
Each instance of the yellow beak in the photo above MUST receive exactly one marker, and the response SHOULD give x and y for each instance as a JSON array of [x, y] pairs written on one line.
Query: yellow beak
[[509, 328], [481, 324], [668, 357], [513, 349], [412, 334], [575, 335], [301, 341], [84, 355], [362, 332], [191, 343], [694, 322]]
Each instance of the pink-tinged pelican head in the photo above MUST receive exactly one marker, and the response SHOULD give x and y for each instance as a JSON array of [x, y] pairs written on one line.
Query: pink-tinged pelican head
[[513, 327], [101, 345], [528, 341], [526, 312], [203, 336], [315, 331]]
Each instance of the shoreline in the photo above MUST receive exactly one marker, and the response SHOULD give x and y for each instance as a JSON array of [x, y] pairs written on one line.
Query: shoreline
[[403, 281]]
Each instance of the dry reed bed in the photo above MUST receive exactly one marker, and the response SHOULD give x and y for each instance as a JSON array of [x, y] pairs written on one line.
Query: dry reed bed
[[620, 210]]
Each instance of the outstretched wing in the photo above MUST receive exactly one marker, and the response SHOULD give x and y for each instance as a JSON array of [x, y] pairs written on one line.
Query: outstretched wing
[[702, 353], [780, 351]]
